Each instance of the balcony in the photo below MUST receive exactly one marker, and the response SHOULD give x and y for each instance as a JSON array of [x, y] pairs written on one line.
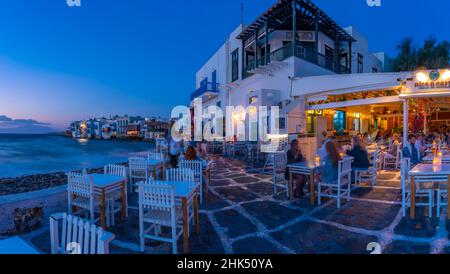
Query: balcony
[[268, 64], [206, 91]]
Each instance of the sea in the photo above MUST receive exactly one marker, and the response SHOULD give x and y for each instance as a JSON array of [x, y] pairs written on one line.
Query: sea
[[22, 155]]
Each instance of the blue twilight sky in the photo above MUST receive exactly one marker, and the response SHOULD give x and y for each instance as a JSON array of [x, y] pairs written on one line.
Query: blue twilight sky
[[139, 57]]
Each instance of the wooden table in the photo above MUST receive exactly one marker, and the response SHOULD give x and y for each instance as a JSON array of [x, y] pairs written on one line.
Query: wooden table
[[427, 170], [184, 192], [303, 168], [155, 164], [107, 183], [16, 246]]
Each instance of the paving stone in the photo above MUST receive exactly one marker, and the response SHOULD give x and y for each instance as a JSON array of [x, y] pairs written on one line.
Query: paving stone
[[373, 216], [309, 237], [421, 226], [234, 223], [255, 245], [220, 182], [236, 194], [263, 188], [212, 202], [271, 214], [207, 242], [406, 247], [393, 195], [245, 180]]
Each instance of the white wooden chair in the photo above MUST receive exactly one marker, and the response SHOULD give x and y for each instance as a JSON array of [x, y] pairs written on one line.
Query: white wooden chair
[[156, 156], [184, 175], [340, 187], [77, 236], [115, 195], [390, 160], [138, 169], [197, 168], [369, 174], [442, 194], [157, 208], [81, 195], [422, 190]]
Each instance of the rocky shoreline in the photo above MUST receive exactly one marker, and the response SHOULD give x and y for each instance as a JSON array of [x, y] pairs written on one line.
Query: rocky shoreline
[[23, 184]]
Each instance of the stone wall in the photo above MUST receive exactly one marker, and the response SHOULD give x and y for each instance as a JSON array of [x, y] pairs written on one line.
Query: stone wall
[[22, 213]]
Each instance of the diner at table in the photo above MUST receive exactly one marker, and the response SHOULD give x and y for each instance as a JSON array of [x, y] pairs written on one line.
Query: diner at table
[[294, 155]]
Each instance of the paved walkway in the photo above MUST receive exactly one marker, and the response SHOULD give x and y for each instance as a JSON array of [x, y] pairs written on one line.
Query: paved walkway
[[241, 214]]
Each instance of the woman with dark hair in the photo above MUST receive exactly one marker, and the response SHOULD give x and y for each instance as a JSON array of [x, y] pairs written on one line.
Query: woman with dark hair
[[294, 155], [360, 154], [329, 169]]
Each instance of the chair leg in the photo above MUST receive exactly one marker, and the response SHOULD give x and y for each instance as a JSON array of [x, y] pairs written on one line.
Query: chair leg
[[403, 203], [113, 213], [339, 197], [430, 204], [438, 202], [319, 195], [174, 238]]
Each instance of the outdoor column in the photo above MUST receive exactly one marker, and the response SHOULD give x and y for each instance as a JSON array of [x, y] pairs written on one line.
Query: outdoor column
[[294, 27], [350, 54], [303, 117], [316, 34], [405, 121], [267, 52], [256, 48]]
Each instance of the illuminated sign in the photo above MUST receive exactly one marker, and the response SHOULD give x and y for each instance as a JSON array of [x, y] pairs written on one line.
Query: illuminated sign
[[433, 79]]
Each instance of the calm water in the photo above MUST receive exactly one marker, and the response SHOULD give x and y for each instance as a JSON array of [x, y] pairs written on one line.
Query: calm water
[[37, 154]]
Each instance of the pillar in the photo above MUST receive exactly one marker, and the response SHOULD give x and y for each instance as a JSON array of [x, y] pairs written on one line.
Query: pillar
[[405, 121]]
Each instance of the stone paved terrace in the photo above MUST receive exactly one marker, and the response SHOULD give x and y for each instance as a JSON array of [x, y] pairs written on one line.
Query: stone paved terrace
[[241, 215]]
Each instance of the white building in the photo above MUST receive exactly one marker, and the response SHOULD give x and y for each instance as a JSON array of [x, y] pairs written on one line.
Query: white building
[[240, 73]]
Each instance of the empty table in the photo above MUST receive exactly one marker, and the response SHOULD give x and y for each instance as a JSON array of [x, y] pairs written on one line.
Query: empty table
[[107, 183], [427, 170]]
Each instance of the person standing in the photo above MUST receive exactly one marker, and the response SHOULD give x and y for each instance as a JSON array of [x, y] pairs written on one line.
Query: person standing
[[174, 151]]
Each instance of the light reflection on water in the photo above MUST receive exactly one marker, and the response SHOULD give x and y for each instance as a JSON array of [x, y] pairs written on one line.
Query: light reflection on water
[[34, 154]]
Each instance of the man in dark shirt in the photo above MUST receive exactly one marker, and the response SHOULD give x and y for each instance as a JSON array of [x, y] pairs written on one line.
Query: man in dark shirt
[[294, 155], [410, 151]]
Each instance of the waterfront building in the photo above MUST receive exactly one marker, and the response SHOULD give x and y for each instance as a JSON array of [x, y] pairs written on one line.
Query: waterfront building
[[265, 64]]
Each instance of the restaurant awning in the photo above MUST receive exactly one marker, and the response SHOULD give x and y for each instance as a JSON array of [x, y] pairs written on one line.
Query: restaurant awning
[[316, 88]]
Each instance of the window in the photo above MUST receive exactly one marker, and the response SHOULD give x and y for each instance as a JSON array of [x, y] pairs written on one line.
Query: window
[[360, 63], [344, 60], [235, 65], [219, 104], [340, 121], [374, 70]]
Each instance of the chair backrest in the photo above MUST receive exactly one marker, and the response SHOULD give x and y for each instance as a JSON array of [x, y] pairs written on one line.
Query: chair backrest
[[156, 156], [80, 184], [195, 166], [138, 163], [78, 236], [116, 170], [142, 154], [180, 175], [375, 160], [345, 167], [156, 195]]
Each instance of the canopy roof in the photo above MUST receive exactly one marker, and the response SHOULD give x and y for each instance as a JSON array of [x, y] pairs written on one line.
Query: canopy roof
[[279, 16], [330, 85]]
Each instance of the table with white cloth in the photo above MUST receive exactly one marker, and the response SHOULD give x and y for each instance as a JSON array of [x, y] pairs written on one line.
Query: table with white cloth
[[427, 170], [103, 184]]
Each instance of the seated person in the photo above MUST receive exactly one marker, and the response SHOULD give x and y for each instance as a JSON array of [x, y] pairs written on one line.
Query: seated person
[[191, 155], [410, 151], [294, 155], [328, 171], [359, 152]]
